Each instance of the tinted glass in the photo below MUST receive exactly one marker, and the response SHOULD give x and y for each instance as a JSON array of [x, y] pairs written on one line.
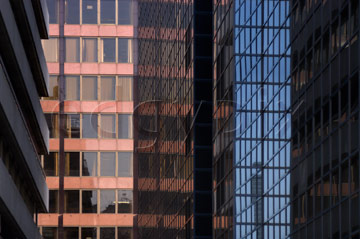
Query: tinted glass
[[124, 15], [72, 164], [72, 201], [125, 50], [124, 233], [89, 50], [125, 199], [50, 164], [72, 87], [73, 126], [52, 121], [108, 49], [107, 11], [125, 126], [107, 201], [53, 11], [89, 201], [89, 12], [89, 126], [107, 233], [89, 164], [124, 164], [88, 233], [51, 50], [107, 164], [53, 201], [124, 89], [49, 232], [89, 88], [107, 129], [53, 87], [107, 88], [72, 49], [72, 12], [71, 232]]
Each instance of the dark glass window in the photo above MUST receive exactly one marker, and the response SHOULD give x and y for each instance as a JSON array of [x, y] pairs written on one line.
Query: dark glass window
[[72, 201], [88, 233], [89, 88], [72, 12], [108, 87], [107, 14], [72, 87], [89, 12], [72, 49], [71, 232], [124, 233], [107, 201], [50, 164], [89, 126], [107, 129], [125, 198], [107, 233], [89, 164], [90, 50], [125, 126], [53, 8], [124, 164], [124, 12], [53, 124], [49, 232], [72, 164], [89, 201], [107, 164], [108, 50], [53, 201], [73, 126], [125, 50]]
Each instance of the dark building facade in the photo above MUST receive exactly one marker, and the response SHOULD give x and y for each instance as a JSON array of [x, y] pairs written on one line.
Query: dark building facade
[[173, 119], [325, 119], [23, 131], [252, 119]]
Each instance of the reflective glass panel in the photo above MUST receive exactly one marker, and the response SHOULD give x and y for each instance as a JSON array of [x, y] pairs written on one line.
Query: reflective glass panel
[[72, 12], [89, 126], [72, 88], [89, 50], [107, 14], [107, 88], [107, 164], [72, 164], [107, 201], [89, 164], [72, 49], [108, 49], [89, 12], [89, 88], [125, 126], [125, 50], [124, 164], [107, 129], [124, 12], [125, 198]]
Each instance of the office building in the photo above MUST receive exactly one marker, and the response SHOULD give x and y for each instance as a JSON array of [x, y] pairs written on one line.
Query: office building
[[251, 119], [90, 56], [325, 120], [173, 120], [23, 131]]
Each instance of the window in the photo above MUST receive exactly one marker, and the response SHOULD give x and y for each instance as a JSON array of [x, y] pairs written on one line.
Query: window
[[72, 88], [334, 37], [108, 49], [89, 164], [89, 201], [107, 233], [51, 164], [53, 201], [124, 233], [89, 126], [53, 88], [88, 233], [107, 164], [72, 49], [107, 8], [71, 201], [124, 89], [107, 201], [107, 88], [124, 164], [72, 126], [344, 27], [72, 164], [125, 198], [89, 12], [89, 88], [125, 126], [124, 50], [71, 232], [107, 129], [72, 12], [49, 232], [53, 124], [51, 49], [124, 12], [89, 50], [53, 8]]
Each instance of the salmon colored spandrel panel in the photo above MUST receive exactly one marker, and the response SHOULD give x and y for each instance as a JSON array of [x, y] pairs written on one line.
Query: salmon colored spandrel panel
[[52, 182], [89, 68], [53, 68], [125, 183], [107, 183], [107, 68], [106, 107], [72, 106], [93, 144], [125, 31], [72, 68], [48, 219], [89, 30], [125, 107], [125, 69], [53, 29], [72, 30], [107, 30], [91, 182], [50, 106], [125, 144]]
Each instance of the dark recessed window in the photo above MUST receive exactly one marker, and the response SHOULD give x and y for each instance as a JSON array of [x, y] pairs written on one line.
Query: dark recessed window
[[53, 124], [89, 12], [49, 232], [51, 164], [107, 164], [107, 201], [89, 201], [89, 164], [107, 232], [72, 164], [88, 233], [107, 14], [72, 12], [53, 201], [72, 201], [89, 126], [71, 232], [73, 126], [124, 233], [124, 164], [125, 199]]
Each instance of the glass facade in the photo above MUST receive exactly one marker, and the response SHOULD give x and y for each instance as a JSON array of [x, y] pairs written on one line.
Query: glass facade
[[252, 119], [325, 120]]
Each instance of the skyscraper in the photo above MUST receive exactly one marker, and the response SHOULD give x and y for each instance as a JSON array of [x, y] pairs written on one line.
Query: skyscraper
[[173, 119], [90, 56], [325, 121], [23, 131]]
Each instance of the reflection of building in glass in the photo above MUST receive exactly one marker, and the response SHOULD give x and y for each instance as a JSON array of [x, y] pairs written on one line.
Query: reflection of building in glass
[[325, 122], [23, 131], [91, 61], [252, 119], [173, 119]]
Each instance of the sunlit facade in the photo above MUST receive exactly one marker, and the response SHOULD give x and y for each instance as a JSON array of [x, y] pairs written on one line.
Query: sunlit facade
[[251, 119], [90, 57]]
